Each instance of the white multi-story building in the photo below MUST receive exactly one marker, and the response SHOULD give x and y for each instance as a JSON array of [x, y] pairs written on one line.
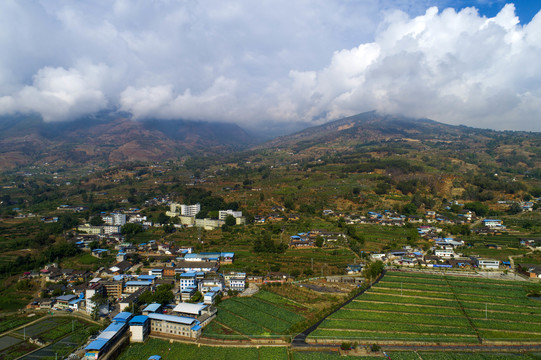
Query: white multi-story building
[[445, 253], [189, 210], [111, 229], [188, 280], [222, 214], [114, 219], [119, 219]]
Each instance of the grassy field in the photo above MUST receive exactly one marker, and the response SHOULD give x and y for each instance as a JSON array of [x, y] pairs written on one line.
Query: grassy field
[[173, 351], [265, 314], [436, 308], [179, 351]]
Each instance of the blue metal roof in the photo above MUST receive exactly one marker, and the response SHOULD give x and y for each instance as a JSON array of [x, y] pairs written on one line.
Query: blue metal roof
[[152, 307], [188, 274], [147, 277], [139, 283], [155, 357], [196, 327], [123, 316], [138, 320], [96, 344]]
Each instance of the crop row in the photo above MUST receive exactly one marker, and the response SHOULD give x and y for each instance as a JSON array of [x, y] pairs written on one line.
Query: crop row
[[9, 323], [278, 300], [479, 314], [393, 327], [413, 286], [428, 294], [400, 317], [506, 335], [492, 291], [493, 300], [369, 335], [477, 280], [442, 355], [239, 324], [436, 310], [397, 299], [273, 310], [452, 280], [270, 322], [42, 326], [182, 351], [525, 310], [506, 325]]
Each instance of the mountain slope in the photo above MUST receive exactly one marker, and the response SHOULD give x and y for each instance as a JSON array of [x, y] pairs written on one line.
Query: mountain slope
[[111, 137], [372, 126]]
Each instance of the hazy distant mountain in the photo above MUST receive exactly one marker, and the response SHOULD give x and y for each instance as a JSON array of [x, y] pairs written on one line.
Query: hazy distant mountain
[[112, 137]]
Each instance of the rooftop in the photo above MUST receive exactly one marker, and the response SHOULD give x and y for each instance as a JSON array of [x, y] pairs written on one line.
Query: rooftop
[[188, 308], [171, 318], [152, 307]]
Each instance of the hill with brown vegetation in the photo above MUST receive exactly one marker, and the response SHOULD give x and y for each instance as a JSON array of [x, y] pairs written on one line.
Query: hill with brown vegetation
[[112, 138]]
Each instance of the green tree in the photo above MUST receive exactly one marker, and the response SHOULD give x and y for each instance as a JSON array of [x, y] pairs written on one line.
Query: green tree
[[131, 230], [96, 221], [230, 220], [162, 218]]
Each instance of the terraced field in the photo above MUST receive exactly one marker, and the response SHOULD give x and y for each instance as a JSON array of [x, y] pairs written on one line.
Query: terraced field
[[265, 314], [412, 307]]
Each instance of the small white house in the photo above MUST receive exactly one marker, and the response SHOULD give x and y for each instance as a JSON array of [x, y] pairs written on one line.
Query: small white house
[[488, 264]]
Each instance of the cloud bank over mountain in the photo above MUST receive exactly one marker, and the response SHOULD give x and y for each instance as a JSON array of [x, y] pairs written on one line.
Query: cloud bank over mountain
[[270, 63]]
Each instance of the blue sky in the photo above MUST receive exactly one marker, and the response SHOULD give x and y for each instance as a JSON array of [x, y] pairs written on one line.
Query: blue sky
[[275, 65], [525, 9]]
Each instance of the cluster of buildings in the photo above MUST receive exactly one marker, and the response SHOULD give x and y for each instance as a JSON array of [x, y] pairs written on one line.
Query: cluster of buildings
[[184, 321], [187, 216], [193, 276], [442, 255], [309, 239], [392, 218]]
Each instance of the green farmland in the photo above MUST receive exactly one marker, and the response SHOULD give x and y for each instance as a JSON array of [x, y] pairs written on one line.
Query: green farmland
[[265, 314], [62, 334], [409, 307]]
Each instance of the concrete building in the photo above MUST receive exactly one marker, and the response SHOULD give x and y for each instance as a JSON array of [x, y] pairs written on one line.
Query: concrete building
[[209, 224], [488, 264], [222, 214], [177, 326], [445, 253], [188, 280], [139, 328], [190, 210], [133, 286]]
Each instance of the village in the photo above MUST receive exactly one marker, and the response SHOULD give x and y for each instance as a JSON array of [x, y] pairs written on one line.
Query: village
[[194, 282]]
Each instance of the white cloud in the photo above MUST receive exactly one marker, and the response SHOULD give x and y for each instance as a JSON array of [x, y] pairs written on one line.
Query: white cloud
[[271, 62], [60, 94], [455, 67]]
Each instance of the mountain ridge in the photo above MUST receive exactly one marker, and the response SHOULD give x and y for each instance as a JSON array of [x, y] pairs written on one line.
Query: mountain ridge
[[112, 137]]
